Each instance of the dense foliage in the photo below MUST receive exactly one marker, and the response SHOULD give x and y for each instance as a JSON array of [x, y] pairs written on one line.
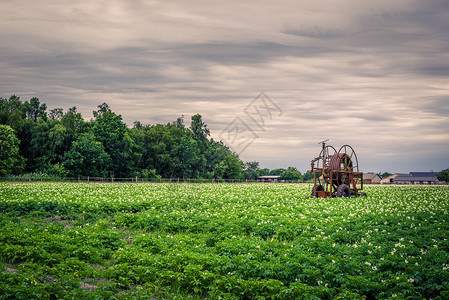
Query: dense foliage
[[444, 176], [10, 160], [222, 241], [64, 144]]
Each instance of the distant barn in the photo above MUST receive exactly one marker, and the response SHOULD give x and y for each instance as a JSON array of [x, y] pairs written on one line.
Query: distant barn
[[417, 178], [413, 178]]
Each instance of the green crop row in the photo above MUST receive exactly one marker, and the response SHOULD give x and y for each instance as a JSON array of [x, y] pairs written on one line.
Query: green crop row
[[221, 241]]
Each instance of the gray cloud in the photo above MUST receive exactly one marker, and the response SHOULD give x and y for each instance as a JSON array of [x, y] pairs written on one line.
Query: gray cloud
[[373, 75]]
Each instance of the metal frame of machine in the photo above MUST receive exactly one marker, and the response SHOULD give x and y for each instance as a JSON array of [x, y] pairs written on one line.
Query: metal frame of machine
[[336, 173]]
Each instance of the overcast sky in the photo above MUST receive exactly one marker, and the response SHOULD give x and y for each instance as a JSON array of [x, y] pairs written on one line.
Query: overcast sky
[[282, 75]]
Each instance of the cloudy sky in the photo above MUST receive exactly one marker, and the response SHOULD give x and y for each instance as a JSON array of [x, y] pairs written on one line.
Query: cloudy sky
[[270, 78]]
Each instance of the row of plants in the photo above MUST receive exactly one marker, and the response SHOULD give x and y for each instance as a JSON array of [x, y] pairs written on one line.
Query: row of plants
[[222, 241]]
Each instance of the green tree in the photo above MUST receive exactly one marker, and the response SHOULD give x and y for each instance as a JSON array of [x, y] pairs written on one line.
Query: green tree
[[73, 121], [444, 176], [10, 160], [109, 129], [74, 125], [56, 114], [199, 129], [87, 157], [251, 170], [102, 108], [232, 166], [191, 160], [171, 150], [291, 174], [307, 176], [158, 147], [277, 172], [36, 141], [34, 109], [57, 136], [45, 141], [12, 113], [263, 172], [174, 151], [213, 157]]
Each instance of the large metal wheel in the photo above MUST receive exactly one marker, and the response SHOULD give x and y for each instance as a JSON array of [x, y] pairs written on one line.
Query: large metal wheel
[[343, 191], [349, 160], [327, 152]]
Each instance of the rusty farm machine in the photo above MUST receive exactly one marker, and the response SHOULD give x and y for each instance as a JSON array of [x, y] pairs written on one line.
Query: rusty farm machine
[[336, 173]]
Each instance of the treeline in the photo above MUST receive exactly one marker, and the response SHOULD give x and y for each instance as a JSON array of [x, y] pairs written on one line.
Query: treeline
[[65, 145]]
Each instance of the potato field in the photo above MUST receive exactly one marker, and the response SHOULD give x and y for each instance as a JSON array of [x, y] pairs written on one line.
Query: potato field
[[221, 241]]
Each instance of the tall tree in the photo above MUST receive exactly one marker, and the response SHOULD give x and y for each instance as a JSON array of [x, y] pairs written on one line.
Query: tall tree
[[251, 170], [102, 108], [159, 146], [109, 129], [87, 157], [74, 125], [73, 122], [35, 141], [200, 133], [35, 110], [199, 130], [232, 166], [10, 160], [56, 113], [57, 136], [191, 160], [211, 157], [12, 113]]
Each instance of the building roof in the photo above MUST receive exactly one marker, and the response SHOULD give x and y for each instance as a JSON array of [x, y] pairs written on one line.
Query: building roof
[[415, 178], [269, 177], [424, 174], [403, 174], [370, 176]]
